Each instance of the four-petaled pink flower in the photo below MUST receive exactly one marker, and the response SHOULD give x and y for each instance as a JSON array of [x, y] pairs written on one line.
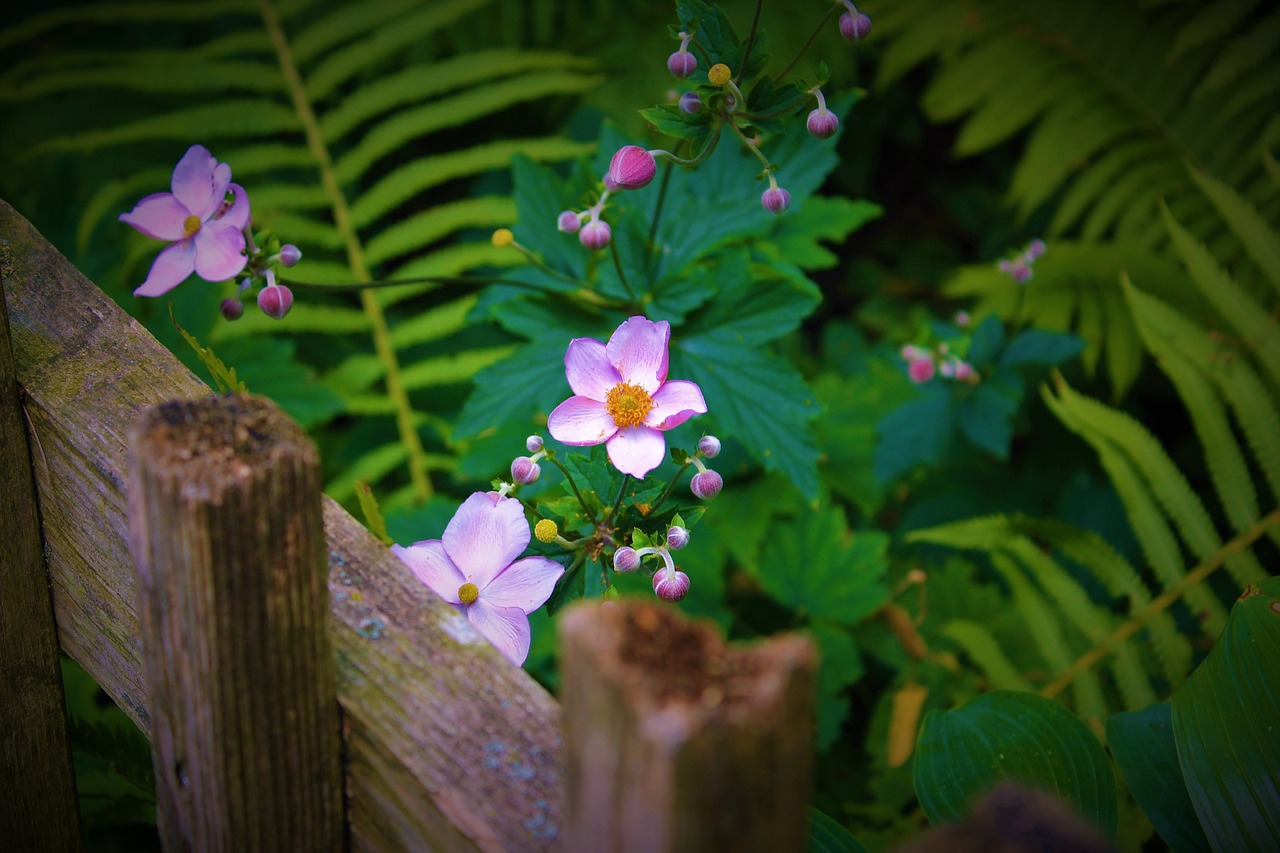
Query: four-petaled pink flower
[[474, 568], [622, 396], [205, 229]]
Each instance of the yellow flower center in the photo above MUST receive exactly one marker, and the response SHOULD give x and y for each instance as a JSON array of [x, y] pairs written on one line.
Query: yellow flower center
[[191, 225], [719, 74], [627, 404], [546, 530], [468, 593], [503, 238]]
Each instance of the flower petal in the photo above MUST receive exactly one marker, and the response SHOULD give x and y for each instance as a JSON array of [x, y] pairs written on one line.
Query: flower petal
[[221, 180], [637, 450], [159, 215], [485, 536], [431, 565], [526, 584], [580, 421], [170, 269], [237, 216], [675, 402], [587, 367], [219, 252], [506, 627], [639, 350], [193, 180]]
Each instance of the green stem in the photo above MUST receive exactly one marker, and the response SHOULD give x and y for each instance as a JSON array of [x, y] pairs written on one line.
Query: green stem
[[617, 502], [751, 39], [657, 210], [617, 264], [702, 155], [752, 146], [670, 487], [355, 252], [813, 35], [587, 297], [573, 485]]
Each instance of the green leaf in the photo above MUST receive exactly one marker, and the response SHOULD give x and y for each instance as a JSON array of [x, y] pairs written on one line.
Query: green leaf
[[1036, 346], [917, 433], [841, 666], [1224, 725], [372, 515], [225, 378], [963, 753], [1143, 746], [981, 646], [530, 379], [270, 367], [1255, 235], [816, 565], [828, 836], [984, 418]]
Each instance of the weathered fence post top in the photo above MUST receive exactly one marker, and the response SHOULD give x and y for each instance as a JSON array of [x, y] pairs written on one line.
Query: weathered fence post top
[[675, 741]]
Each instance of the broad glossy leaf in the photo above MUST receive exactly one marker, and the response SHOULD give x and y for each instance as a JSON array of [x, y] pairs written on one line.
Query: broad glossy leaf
[[828, 836]]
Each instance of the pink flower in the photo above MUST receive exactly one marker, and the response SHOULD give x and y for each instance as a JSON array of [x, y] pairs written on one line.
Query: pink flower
[[474, 568], [631, 168], [622, 396], [920, 370], [204, 228]]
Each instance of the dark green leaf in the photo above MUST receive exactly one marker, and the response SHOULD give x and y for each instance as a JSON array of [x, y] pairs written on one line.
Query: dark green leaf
[[529, 380], [987, 340], [268, 366], [1036, 346], [984, 419], [827, 836], [917, 433], [841, 666]]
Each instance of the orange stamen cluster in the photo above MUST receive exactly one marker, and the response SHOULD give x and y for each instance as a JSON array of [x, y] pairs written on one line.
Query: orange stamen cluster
[[628, 404]]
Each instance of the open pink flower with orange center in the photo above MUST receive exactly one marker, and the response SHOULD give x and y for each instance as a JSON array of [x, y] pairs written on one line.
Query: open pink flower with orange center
[[204, 227], [474, 568], [622, 397]]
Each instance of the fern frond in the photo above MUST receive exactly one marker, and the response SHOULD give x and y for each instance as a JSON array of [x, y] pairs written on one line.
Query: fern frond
[[1211, 22], [162, 77], [230, 118], [423, 229], [1258, 239], [138, 11], [1246, 54], [433, 325], [981, 646], [305, 316], [345, 23]]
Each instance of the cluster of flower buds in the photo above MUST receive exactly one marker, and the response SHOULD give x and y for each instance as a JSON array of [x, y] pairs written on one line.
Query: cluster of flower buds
[[631, 168], [923, 364], [669, 583], [1019, 267], [854, 25], [706, 484], [524, 469]]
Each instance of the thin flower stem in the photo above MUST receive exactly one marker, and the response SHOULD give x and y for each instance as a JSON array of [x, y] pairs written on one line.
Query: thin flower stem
[[752, 146], [1160, 603], [670, 487], [405, 418], [586, 297], [751, 38], [702, 155], [1016, 320], [617, 264], [822, 23], [657, 209], [617, 502], [573, 485]]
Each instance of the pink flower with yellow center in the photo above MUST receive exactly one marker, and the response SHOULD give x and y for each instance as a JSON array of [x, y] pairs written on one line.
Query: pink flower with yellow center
[[204, 227], [622, 397]]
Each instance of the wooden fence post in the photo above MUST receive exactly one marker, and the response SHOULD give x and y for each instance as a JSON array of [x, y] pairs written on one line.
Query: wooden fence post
[[228, 542], [675, 742], [38, 806]]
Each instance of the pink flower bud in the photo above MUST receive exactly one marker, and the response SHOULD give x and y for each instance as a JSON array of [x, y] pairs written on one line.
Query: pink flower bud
[[677, 538], [595, 234], [568, 222], [823, 123], [690, 103], [855, 27], [632, 167], [920, 370], [962, 318], [709, 446], [1021, 272], [533, 443], [682, 63], [775, 200], [232, 308], [625, 560], [706, 484], [671, 584], [964, 371], [524, 470], [1035, 248], [275, 301], [290, 254]]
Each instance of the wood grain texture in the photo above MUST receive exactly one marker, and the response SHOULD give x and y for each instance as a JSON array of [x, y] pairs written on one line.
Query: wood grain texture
[[447, 745], [677, 742], [38, 804]]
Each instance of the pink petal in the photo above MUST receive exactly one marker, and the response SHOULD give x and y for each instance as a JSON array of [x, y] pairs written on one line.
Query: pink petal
[[526, 584], [170, 269], [193, 180], [431, 565], [587, 367], [485, 536], [219, 252], [506, 627], [221, 179], [637, 450], [580, 421], [675, 402], [160, 216], [237, 216], [639, 350]]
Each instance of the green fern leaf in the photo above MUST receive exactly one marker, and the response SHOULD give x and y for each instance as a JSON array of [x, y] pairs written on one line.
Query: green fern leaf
[[1012, 106], [451, 369], [1258, 239], [224, 377], [981, 646], [1210, 23], [229, 118], [369, 468], [1090, 186], [305, 316], [114, 198], [1245, 54], [160, 77], [372, 515], [423, 229], [345, 23], [303, 230], [143, 11], [434, 324]]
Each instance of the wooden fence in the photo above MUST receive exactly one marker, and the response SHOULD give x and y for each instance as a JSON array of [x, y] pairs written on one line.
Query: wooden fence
[[442, 744]]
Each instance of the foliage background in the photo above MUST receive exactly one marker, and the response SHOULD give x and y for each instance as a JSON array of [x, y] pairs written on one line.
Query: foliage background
[[1125, 134]]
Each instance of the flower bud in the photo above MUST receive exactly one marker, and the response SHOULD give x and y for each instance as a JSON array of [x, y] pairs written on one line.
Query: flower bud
[[677, 538], [632, 167], [595, 234], [690, 103], [503, 238], [546, 530], [275, 301], [290, 254], [775, 200], [709, 446], [1021, 272], [625, 560], [823, 123], [962, 319], [706, 484], [682, 63], [855, 27], [920, 370], [964, 372], [719, 74], [670, 584], [232, 309], [568, 222], [533, 443], [524, 470], [1035, 249]]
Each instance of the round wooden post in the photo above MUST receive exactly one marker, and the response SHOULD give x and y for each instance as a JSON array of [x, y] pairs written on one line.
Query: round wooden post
[[675, 742], [228, 541]]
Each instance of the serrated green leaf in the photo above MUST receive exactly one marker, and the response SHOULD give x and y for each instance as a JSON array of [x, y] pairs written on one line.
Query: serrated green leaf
[[269, 366], [372, 514], [1258, 239], [220, 120], [981, 646], [1036, 346], [917, 433]]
